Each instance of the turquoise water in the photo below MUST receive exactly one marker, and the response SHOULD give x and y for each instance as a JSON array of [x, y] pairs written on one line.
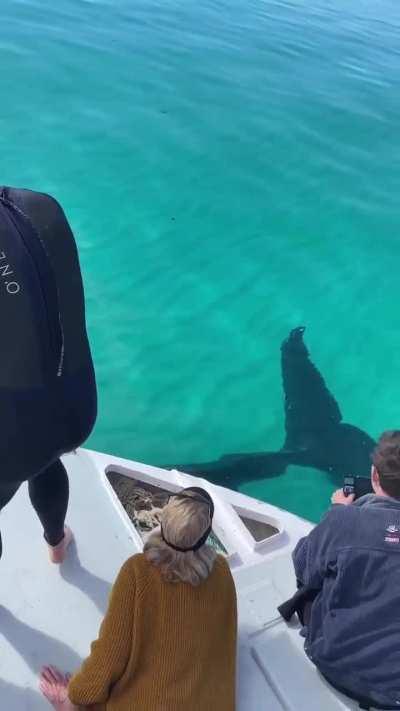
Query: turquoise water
[[230, 171]]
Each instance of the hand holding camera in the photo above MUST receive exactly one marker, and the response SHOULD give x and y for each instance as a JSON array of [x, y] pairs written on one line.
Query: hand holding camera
[[353, 488]]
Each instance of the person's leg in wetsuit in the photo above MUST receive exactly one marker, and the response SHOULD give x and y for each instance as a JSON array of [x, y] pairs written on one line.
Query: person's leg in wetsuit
[[49, 494], [7, 491]]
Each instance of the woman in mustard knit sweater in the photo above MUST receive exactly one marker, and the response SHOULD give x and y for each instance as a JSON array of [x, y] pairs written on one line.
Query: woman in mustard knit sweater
[[168, 640]]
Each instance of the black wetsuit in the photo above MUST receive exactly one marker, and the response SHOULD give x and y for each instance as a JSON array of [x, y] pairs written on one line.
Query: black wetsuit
[[47, 385]]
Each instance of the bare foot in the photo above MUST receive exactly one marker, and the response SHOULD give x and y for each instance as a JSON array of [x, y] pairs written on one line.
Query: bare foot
[[58, 553], [54, 686]]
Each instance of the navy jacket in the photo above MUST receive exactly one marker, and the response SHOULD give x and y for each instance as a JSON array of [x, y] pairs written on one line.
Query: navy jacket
[[353, 557]]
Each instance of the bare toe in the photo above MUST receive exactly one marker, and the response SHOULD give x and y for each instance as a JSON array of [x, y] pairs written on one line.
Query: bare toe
[[58, 553]]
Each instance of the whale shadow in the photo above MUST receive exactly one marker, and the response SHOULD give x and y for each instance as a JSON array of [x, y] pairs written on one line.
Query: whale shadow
[[315, 434]]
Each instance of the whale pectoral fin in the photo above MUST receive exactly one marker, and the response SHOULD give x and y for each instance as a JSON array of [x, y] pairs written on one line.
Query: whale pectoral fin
[[235, 469], [310, 408]]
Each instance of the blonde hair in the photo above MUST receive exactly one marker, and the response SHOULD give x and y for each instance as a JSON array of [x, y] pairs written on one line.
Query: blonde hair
[[184, 521]]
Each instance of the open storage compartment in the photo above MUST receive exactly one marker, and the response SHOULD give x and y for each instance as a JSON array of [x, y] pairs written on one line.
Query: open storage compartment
[[262, 528], [143, 503]]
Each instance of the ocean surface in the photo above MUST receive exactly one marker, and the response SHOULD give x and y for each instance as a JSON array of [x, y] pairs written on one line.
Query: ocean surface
[[231, 171]]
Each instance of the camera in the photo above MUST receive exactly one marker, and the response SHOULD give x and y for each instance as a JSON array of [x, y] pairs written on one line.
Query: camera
[[357, 485]]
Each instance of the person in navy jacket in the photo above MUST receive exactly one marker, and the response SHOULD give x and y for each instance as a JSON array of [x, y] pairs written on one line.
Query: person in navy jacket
[[351, 561]]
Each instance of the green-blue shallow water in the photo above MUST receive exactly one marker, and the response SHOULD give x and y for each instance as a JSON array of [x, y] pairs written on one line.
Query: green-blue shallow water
[[230, 171]]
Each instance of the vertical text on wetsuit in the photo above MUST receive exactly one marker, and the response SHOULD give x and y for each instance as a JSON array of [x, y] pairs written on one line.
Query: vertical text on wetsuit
[[12, 287]]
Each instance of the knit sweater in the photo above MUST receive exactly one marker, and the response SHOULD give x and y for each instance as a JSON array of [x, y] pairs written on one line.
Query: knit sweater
[[163, 646]]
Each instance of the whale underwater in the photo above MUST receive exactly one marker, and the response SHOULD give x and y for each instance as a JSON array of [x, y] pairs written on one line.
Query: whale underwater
[[316, 435]]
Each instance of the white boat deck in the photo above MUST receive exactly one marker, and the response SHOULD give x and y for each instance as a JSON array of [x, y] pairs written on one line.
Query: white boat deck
[[50, 614]]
